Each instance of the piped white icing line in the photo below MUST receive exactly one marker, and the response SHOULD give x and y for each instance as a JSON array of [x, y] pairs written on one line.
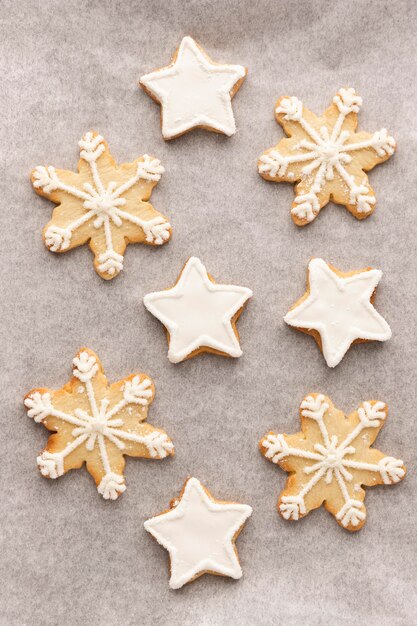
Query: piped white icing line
[[111, 486], [193, 91], [198, 313], [326, 153], [340, 310], [39, 406], [97, 426], [102, 205], [332, 460], [198, 534]]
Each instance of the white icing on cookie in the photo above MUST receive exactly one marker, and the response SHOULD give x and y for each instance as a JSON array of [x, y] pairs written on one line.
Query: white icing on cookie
[[340, 310], [102, 204], [198, 534], [193, 91], [100, 427], [335, 459], [198, 313], [331, 149]]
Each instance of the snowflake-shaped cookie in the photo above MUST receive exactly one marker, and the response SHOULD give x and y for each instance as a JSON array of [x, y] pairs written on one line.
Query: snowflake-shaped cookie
[[97, 423], [330, 459], [326, 157], [103, 204]]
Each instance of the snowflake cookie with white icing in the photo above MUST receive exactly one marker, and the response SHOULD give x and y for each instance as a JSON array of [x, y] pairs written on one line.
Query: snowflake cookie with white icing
[[337, 309], [199, 314], [194, 92], [97, 423], [199, 533], [325, 157], [103, 204], [331, 459]]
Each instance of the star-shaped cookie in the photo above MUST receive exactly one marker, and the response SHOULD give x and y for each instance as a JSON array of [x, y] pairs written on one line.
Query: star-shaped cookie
[[337, 309], [200, 315], [325, 156], [194, 91], [97, 424], [199, 533], [103, 204], [330, 459]]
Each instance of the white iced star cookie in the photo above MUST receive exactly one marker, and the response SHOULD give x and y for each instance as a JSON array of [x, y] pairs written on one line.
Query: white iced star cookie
[[325, 156], [337, 309], [194, 91], [199, 315], [331, 459], [199, 533]]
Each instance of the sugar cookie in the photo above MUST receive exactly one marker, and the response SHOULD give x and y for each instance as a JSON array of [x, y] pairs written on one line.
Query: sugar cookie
[[337, 309], [199, 533], [199, 315], [103, 204], [325, 156], [97, 423], [194, 92], [330, 459]]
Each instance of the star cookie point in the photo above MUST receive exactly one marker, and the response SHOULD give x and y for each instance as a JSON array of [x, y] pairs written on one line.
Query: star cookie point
[[331, 459], [97, 423], [199, 533], [199, 314], [194, 91], [325, 157], [102, 204], [337, 309]]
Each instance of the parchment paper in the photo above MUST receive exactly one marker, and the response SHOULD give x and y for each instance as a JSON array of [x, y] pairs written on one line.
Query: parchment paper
[[68, 557]]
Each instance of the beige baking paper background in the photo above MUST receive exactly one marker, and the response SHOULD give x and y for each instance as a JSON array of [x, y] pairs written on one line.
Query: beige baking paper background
[[68, 557]]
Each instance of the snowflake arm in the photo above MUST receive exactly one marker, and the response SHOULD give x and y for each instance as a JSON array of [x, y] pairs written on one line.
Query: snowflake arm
[[154, 226], [382, 144], [330, 459], [56, 184], [69, 225], [279, 448], [97, 424], [325, 156], [149, 442], [103, 204], [58, 457], [137, 439], [39, 406], [383, 469]]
